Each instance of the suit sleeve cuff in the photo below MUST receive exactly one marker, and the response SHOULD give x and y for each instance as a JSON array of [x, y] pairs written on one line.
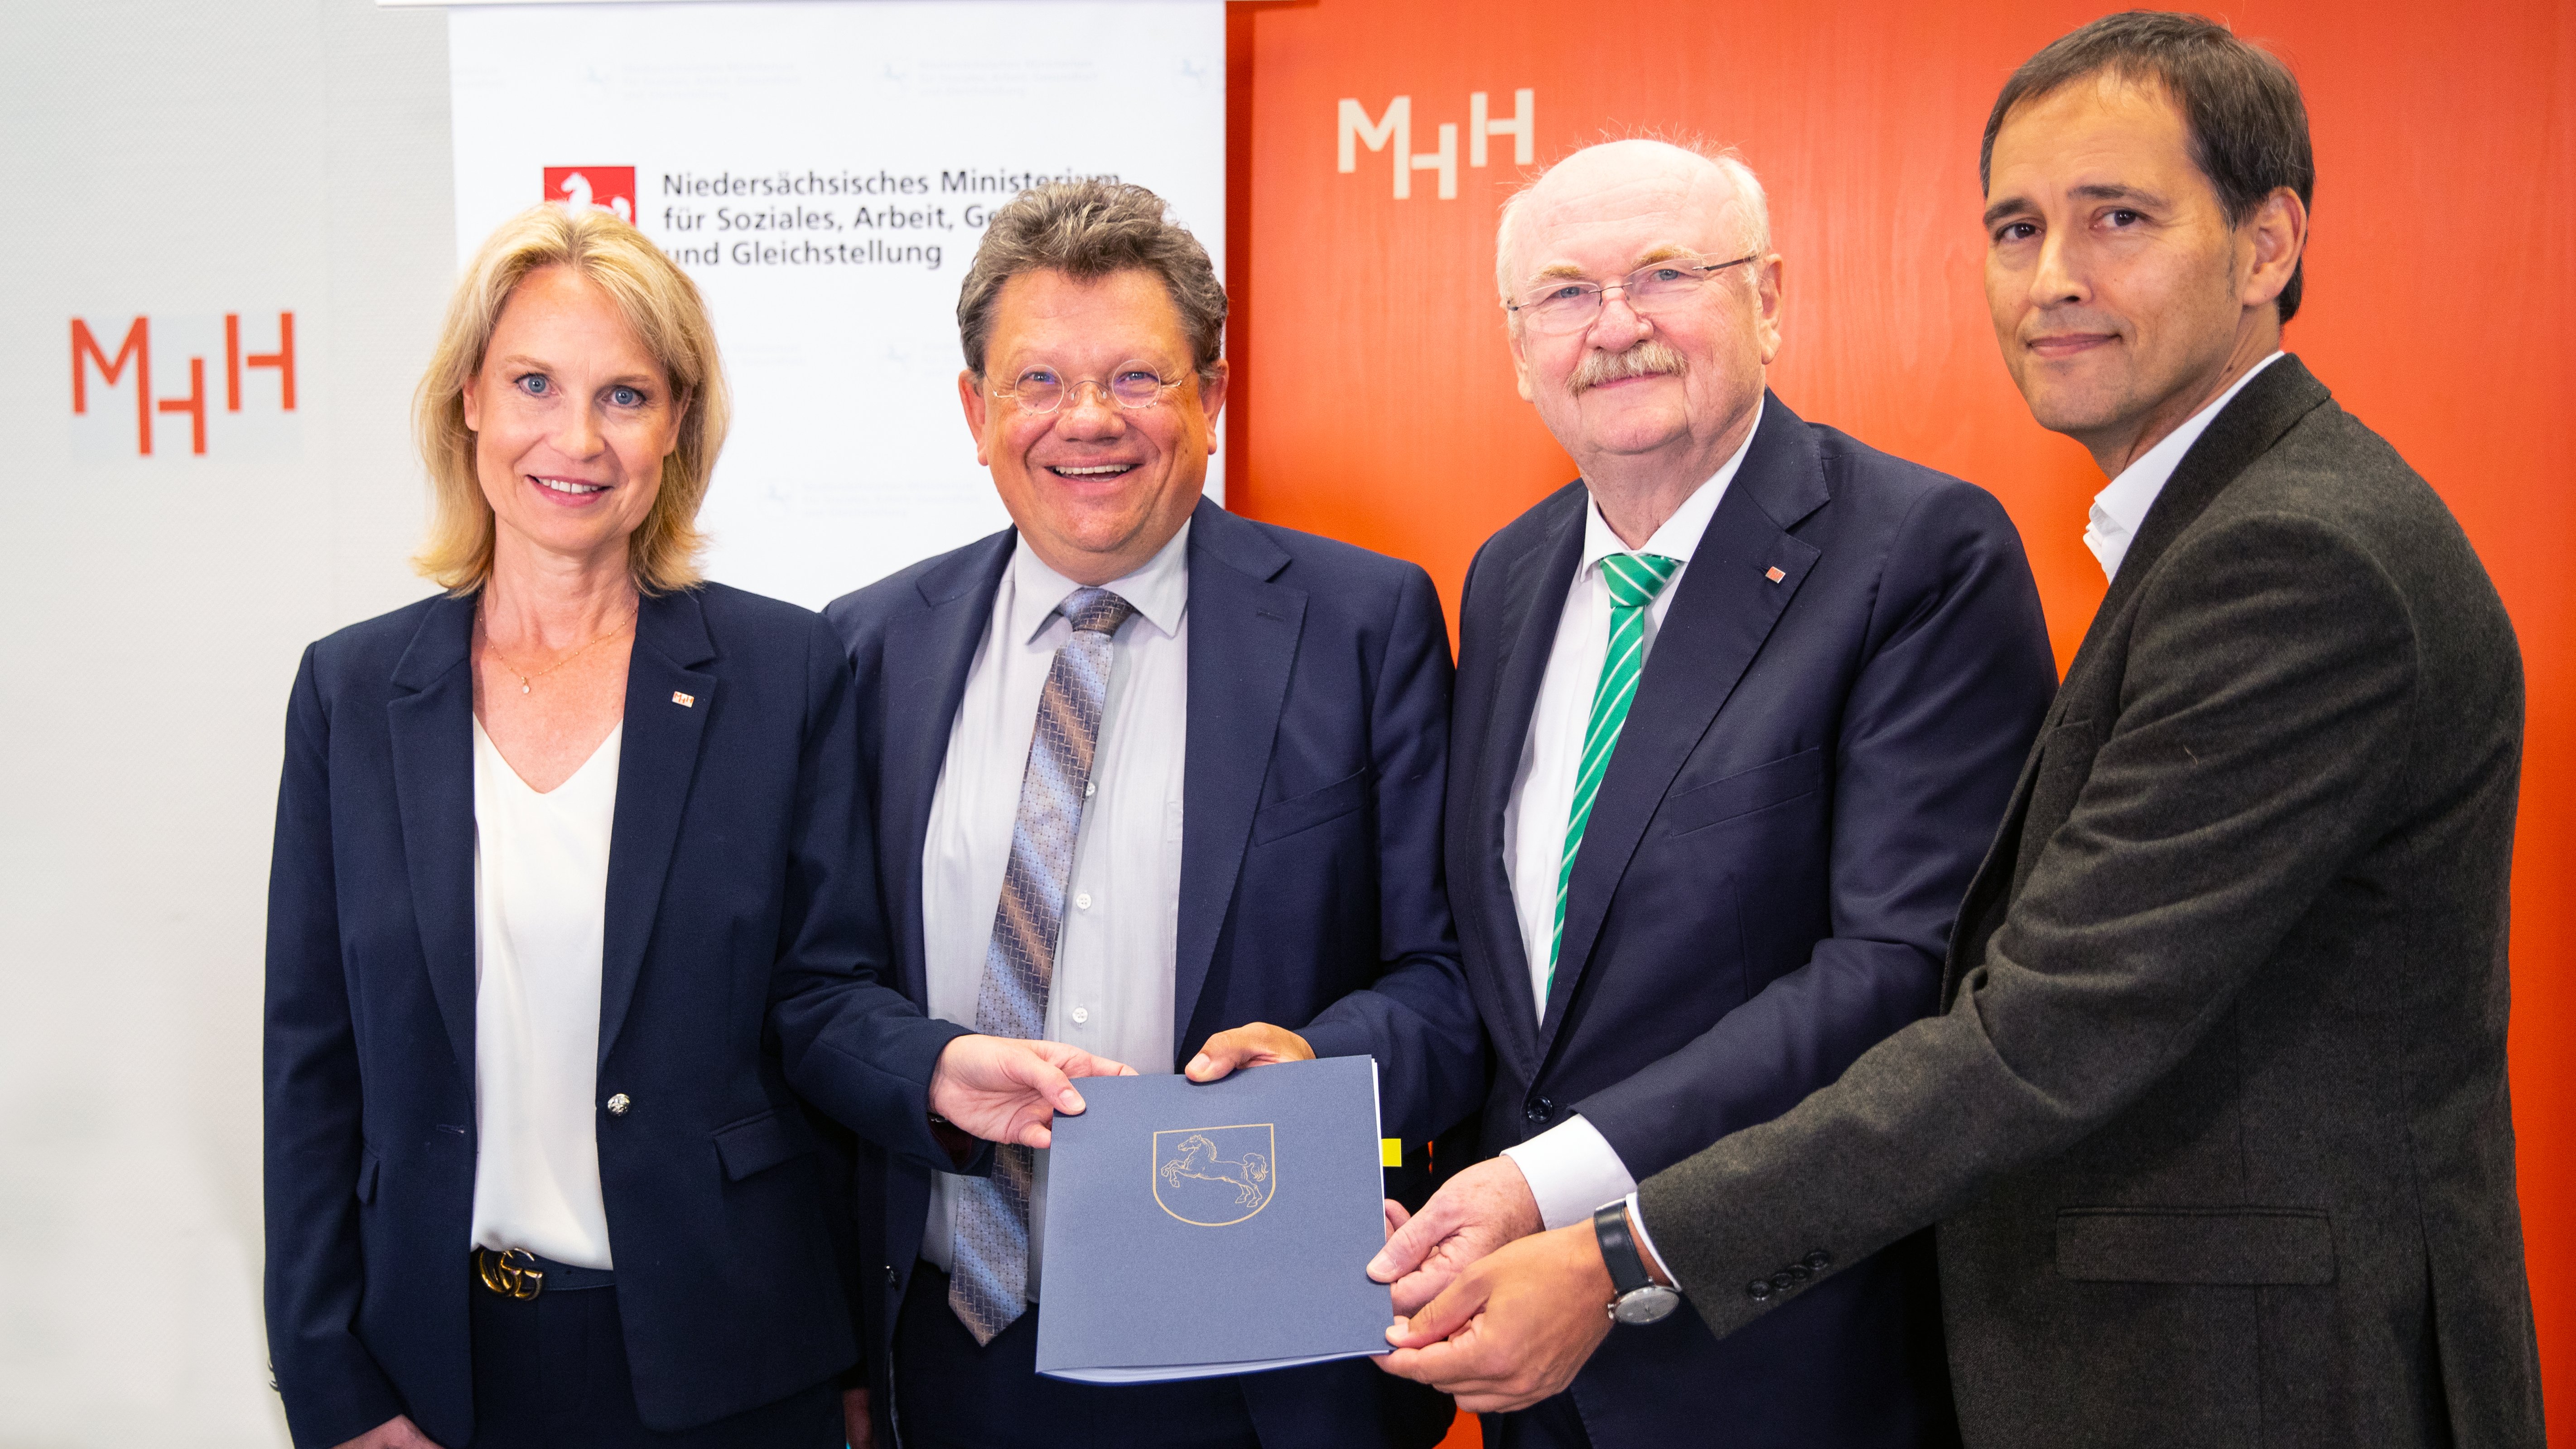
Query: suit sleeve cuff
[[1571, 1171], [1328, 1038], [349, 1407], [1655, 1264]]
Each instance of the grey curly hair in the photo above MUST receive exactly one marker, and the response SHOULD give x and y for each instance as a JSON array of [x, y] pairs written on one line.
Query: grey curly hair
[[1089, 229]]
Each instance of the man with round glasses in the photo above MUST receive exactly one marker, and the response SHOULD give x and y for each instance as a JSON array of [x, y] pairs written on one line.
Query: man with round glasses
[[1151, 778], [1736, 715]]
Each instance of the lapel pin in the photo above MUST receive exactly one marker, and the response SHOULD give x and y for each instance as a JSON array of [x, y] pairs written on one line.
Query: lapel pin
[[685, 701], [1773, 574]]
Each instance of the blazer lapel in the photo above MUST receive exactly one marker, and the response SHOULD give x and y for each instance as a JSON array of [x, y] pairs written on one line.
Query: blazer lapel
[[656, 764], [1243, 643], [1533, 603], [928, 654], [430, 719], [1979, 914], [1728, 603], [2243, 431]]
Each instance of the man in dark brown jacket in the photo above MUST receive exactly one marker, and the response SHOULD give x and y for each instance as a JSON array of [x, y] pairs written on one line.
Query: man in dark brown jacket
[[2214, 1126]]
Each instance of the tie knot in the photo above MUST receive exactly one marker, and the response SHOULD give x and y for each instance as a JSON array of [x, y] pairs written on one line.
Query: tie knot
[[1635, 578], [1095, 611]]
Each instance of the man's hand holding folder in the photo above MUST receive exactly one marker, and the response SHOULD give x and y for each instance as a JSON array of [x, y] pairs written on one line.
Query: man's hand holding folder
[[1003, 1089]]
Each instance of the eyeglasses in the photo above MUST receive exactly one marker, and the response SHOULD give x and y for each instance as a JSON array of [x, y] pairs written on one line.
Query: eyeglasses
[[1134, 385], [1572, 306]]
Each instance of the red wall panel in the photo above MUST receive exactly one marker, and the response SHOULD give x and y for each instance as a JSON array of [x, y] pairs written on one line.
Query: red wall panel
[[1374, 401]]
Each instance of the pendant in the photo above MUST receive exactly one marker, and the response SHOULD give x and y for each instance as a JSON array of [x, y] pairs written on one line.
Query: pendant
[[523, 684]]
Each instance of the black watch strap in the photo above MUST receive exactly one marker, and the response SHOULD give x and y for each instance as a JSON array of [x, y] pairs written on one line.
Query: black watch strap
[[1619, 1249]]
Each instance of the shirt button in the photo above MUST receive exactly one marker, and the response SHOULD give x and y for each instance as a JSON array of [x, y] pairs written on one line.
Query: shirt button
[[1081, 1014], [1090, 788], [1083, 901]]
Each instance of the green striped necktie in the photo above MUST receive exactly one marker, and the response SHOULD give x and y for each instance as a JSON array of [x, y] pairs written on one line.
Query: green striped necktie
[[1634, 580]]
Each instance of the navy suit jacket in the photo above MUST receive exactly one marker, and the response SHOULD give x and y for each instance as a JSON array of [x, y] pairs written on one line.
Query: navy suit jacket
[[1819, 749], [739, 970], [1310, 856]]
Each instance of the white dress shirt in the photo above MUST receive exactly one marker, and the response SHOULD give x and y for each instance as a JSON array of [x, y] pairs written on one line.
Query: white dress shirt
[[2119, 509], [540, 923], [1571, 1168], [1112, 990]]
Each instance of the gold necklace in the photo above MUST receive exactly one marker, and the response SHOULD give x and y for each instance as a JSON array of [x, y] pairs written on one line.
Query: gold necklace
[[527, 680]]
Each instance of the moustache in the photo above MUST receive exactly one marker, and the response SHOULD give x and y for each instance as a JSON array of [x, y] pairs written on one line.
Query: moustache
[[1652, 357]]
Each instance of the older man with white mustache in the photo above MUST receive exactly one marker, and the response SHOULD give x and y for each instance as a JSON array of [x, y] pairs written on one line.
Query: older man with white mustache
[[1736, 714]]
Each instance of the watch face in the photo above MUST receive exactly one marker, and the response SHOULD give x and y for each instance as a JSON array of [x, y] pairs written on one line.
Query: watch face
[[1645, 1305]]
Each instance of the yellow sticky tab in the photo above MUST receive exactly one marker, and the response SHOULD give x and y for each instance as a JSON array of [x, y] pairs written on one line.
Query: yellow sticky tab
[[1390, 1151]]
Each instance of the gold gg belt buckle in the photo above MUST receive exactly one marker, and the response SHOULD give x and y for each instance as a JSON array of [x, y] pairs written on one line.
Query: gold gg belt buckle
[[512, 1272]]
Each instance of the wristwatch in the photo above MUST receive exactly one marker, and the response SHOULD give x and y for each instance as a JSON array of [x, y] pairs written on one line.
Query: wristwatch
[[1640, 1298]]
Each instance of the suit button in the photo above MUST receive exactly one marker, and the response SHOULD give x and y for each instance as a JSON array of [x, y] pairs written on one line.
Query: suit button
[[1798, 1273], [1541, 1109], [618, 1104], [891, 1278], [1782, 1282], [1820, 1260], [1759, 1290]]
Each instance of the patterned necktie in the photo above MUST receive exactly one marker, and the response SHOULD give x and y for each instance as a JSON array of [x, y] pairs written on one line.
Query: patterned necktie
[[1634, 580], [989, 1289]]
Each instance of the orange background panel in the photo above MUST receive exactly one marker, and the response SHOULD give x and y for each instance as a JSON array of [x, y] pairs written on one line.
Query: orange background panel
[[1373, 399]]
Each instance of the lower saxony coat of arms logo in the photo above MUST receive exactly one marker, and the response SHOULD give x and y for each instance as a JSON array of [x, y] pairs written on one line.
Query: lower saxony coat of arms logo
[[1215, 1177]]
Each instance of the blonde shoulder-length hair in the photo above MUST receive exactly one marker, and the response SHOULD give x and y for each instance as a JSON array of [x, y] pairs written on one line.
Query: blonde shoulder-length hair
[[659, 301]]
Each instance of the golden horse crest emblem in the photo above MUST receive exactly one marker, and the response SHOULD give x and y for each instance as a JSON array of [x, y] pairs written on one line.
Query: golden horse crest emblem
[[1215, 1177]]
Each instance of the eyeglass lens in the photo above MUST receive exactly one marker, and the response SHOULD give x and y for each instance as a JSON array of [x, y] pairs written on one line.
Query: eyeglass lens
[[1132, 384], [1565, 306]]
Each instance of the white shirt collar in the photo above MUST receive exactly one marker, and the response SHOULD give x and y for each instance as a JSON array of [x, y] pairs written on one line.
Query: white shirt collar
[[1680, 534], [1160, 590], [2119, 509]]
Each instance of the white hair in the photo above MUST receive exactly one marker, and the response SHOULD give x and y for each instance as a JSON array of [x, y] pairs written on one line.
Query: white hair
[[1752, 205]]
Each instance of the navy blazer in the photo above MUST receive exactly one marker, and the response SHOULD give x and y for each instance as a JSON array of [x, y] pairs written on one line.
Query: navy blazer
[[1820, 746], [1310, 856], [739, 970]]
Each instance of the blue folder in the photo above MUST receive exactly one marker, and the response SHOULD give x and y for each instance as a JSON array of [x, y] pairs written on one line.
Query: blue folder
[[1168, 1201]]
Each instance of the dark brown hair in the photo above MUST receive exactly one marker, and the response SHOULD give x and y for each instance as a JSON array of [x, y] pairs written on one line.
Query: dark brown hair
[[2249, 128], [1089, 229]]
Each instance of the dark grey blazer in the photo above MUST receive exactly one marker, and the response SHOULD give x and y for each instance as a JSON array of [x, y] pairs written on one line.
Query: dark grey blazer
[[2214, 1122]]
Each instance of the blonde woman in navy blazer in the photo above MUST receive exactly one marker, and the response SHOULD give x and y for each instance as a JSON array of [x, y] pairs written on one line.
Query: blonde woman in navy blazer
[[497, 1216]]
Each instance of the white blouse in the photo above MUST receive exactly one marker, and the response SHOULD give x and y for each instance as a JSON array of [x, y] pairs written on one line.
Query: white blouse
[[540, 916]]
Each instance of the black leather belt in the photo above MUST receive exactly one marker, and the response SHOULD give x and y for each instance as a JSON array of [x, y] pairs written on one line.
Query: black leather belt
[[518, 1273]]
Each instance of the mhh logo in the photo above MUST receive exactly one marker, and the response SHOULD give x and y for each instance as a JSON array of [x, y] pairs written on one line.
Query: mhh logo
[[606, 188], [1353, 128], [128, 369]]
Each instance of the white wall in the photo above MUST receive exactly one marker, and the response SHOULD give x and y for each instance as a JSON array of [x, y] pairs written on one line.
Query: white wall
[[179, 159]]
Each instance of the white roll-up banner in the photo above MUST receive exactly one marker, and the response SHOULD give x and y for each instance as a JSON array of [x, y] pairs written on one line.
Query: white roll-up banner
[[824, 172]]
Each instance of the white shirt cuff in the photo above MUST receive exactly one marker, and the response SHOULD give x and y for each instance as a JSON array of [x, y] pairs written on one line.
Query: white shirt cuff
[[1655, 1265], [1572, 1172]]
